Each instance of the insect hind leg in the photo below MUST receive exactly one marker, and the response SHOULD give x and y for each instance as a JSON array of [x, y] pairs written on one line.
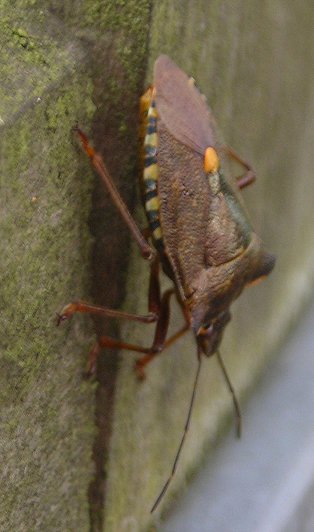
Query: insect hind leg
[[249, 176]]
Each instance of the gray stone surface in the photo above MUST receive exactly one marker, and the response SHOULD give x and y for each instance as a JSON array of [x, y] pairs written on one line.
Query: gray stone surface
[[86, 61], [265, 482]]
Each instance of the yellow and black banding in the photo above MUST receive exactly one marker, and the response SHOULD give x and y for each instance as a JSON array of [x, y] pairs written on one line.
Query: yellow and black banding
[[151, 175]]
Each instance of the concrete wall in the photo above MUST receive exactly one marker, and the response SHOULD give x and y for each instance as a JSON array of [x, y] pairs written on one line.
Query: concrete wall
[[75, 452]]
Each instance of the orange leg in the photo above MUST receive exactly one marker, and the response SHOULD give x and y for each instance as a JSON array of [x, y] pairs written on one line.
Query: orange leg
[[160, 343], [159, 312], [149, 353], [87, 308], [158, 307], [98, 163], [249, 176]]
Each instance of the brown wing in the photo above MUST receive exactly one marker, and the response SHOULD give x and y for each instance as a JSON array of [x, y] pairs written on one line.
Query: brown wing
[[201, 228], [181, 107]]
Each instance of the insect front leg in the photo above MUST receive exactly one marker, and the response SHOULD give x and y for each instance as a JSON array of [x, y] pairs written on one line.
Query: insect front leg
[[159, 312], [160, 343], [159, 307], [249, 176], [161, 330]]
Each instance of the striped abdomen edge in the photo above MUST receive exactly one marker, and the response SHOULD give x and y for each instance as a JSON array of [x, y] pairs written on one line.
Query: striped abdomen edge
[[151, 175]]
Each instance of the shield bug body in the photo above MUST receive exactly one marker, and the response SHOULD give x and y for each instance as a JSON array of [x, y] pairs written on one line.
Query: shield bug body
[[201, 235]]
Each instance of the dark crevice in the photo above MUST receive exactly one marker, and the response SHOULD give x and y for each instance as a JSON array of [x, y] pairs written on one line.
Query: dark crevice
[[112, 240]]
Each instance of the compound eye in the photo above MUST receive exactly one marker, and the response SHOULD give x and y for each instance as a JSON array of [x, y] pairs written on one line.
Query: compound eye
[[206, 329]]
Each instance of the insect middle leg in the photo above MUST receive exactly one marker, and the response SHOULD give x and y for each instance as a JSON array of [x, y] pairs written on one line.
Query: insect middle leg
[[159, 312], [249, 176]]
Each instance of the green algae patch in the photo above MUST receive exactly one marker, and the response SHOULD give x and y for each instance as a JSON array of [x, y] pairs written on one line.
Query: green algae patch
[[47, 429], [31, 59]]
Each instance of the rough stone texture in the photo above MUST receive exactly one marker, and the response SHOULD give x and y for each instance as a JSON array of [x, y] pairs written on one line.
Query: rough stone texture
[[252, 60], [57, 62], [46, 424]]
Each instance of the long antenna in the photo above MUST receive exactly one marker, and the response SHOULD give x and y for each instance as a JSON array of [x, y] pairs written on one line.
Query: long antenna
[[237, 409], [185, 431]]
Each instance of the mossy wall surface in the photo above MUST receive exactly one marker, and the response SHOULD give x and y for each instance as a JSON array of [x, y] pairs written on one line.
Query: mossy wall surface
[[251, 60], [79, 455]]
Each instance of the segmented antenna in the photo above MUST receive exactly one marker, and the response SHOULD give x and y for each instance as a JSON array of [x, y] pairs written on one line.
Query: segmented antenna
[[238, 419], [237, 410], [185, 431]]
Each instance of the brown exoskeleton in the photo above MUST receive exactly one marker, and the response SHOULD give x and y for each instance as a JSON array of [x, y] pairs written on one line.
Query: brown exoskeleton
[[201, 235]]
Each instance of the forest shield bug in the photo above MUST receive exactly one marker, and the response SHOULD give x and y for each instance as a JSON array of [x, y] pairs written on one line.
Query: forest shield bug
[[200, 232]]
